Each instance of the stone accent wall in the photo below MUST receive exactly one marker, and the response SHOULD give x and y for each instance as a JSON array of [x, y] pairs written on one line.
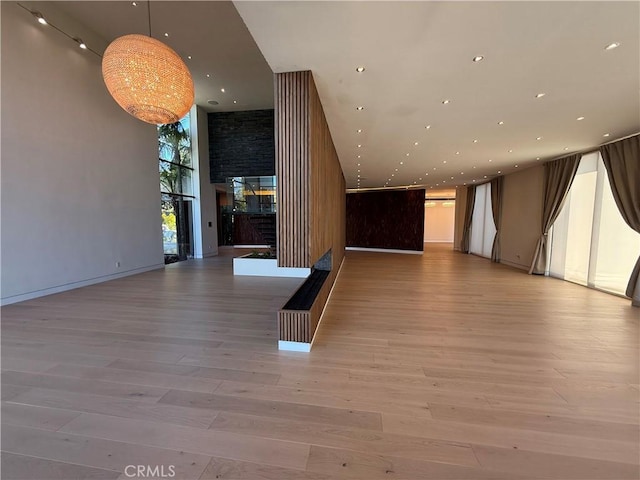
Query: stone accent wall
[[241, 144]]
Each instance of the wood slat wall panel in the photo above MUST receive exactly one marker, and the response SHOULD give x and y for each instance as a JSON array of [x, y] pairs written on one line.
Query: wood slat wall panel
[[311, 192], [292, 167], [294, 326], [328, 197], [318, 306]]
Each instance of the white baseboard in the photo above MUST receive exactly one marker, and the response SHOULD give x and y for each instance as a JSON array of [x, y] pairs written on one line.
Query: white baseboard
[[294, 346], [73, 285], [385, 250]]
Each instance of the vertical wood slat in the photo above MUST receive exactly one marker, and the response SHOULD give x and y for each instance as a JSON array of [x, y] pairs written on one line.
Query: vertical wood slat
[[292, 168], [294, 326]]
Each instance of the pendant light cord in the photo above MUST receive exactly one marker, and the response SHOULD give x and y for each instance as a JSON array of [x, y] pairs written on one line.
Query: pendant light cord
[[149, 14]]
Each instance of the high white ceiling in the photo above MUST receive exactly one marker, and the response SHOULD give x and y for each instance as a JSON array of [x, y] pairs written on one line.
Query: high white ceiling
[[418, 54], [211, 32], [415, 54]]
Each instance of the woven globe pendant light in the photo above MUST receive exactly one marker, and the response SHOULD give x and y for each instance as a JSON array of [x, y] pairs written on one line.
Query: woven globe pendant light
[[147, 79]]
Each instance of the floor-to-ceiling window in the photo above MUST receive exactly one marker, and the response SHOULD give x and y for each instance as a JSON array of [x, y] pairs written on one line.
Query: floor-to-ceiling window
[[176, 172], [591, 244], [483, 229]]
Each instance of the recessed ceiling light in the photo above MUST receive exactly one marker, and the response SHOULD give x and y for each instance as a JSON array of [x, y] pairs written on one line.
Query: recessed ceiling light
[[457, 153], [396, 169], [420, 178], [393, 174], [478, 58], [407, 154], [606, 134], [166, 34], [445, 102], [485, 176], [435, 167], [580, 118], [39, 17], [235, 101], [415, 143], [473, 180], [401, 163], [359, 130], [474, 166], [212, 102], [358, 164], [360, 108], [475, 141], [189, 57], [222, 90], [499, 171], [540, 95], [428, 127], [538, 138], [537, 158], [500, 122], [490, 160], [360, 69], [516, 166], [611, 46], [208, 75], [359, 146], [359, 156], [80, 43], [444, 161], [451, 178], [461, 173], [510, 151], [566, 148], [134, 4]]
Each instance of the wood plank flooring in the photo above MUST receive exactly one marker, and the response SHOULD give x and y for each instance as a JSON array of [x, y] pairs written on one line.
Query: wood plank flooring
[[444, 366]]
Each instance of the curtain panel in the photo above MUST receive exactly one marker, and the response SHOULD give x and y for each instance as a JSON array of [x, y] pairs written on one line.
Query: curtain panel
[[496, 210], [622, 161], [558, 176], [468, 215]]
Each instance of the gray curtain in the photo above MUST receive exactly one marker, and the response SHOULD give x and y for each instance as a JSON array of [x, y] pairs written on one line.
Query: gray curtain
[[468, 215], [622, 161], [496, 209], [558, 176]]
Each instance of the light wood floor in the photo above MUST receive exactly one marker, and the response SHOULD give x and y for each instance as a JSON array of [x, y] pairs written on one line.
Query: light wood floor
[[443, 366]]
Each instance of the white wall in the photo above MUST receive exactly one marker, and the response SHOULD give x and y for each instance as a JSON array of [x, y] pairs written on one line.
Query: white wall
[[439, 221], [80, 188], [205, 211]]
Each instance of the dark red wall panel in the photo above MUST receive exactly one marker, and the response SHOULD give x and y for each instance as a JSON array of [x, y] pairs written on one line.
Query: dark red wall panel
[[386, 219]]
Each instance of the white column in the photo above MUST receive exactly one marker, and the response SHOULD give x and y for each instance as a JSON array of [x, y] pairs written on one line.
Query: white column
[[205, 230]]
